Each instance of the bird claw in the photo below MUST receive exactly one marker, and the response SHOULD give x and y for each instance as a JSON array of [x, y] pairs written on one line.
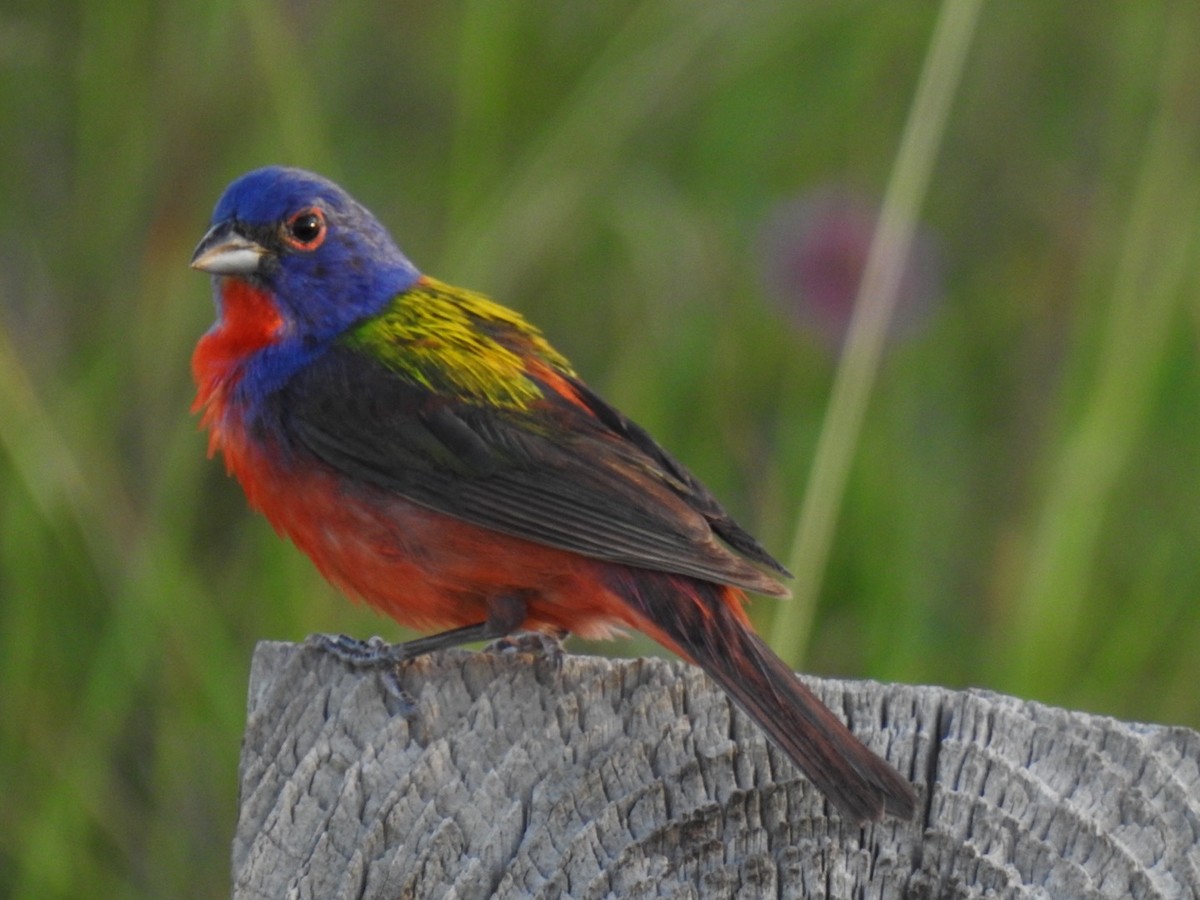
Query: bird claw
[[361, 654], [373, 653], [538, 643], [403, 703], [386, 659]]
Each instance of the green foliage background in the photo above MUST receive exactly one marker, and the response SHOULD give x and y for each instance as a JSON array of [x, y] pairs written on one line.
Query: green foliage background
[[1023, 506]]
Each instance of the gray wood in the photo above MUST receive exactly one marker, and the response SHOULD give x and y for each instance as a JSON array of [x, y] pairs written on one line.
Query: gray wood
[[635, 778]]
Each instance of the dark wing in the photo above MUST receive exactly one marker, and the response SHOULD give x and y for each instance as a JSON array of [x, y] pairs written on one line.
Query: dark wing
[[571, 473]]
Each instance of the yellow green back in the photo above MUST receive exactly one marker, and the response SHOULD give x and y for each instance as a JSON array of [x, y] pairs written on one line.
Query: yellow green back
[[459, 342]]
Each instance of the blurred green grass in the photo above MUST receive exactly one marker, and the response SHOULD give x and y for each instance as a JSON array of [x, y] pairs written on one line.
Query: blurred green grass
[[1022, 510]]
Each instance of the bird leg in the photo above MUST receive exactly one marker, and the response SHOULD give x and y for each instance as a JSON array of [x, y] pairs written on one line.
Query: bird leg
[[506, 613]]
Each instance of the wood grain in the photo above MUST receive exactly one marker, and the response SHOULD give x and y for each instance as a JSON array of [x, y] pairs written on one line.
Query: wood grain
[[636, 778]]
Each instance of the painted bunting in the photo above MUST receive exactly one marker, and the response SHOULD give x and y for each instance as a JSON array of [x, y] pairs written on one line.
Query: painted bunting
[[436, 457]]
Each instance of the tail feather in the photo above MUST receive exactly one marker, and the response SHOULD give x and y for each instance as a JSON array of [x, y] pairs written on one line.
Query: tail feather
[[712, 632]]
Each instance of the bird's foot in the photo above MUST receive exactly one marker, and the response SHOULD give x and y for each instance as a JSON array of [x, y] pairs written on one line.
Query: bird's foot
[[355, 652], [505, 614], [547, 645], [373, 653]]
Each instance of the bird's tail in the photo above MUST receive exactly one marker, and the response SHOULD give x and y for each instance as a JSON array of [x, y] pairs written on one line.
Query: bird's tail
[[705, 624]]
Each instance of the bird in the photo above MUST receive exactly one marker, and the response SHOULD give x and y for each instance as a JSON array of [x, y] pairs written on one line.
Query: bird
[[436, 458]]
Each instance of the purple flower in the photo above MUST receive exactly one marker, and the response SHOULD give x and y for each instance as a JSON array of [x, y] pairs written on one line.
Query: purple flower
[[814, 252]]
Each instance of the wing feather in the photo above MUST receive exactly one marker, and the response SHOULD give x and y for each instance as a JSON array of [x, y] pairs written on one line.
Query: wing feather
[[570, 473]]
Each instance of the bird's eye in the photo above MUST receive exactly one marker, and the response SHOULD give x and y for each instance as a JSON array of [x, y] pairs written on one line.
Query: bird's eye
[[305, 230]]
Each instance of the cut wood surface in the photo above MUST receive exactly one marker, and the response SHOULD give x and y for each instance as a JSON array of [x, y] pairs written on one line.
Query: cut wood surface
[[515, 777]]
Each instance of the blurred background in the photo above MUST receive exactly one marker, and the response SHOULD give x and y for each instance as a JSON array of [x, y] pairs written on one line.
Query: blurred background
[[682, 196]]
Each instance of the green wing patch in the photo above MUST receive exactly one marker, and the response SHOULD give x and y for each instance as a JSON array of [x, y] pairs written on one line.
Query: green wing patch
[[460, 344]]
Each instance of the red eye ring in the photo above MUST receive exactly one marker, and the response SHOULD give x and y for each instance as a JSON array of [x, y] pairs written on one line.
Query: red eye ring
[[306, 229]]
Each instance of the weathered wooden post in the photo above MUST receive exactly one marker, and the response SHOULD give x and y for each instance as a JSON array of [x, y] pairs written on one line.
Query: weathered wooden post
[[636, 778]]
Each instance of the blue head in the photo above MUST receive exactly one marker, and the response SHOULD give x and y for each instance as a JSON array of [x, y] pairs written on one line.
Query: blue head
[[324, 259]]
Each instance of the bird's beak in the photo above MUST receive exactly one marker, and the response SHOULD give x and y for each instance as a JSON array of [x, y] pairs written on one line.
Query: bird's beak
[[225, 252]]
